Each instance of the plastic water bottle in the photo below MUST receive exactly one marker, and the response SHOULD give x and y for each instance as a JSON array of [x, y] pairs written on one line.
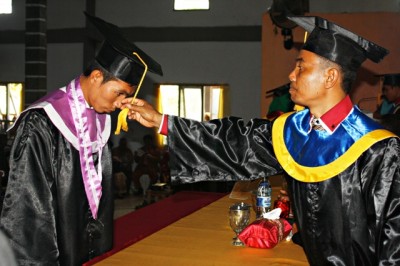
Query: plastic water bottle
[[263, 204]]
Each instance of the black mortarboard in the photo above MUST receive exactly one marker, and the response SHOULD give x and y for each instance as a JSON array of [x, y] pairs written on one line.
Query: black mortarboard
[[279, 91], [337, 44], [391, 79], [117, 56]]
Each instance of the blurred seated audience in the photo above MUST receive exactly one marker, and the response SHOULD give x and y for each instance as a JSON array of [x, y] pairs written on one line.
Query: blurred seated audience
[[148, 159], [122, 167], [165, 175]]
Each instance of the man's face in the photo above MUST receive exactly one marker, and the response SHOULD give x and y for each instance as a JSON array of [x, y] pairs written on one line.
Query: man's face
[[390, 92], [105, 97], [307, 79]]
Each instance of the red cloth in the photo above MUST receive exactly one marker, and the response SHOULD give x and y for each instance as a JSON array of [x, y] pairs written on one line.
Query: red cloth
[[338, 113], [143, 222], [284, 204], [264, 233], [164, 125]]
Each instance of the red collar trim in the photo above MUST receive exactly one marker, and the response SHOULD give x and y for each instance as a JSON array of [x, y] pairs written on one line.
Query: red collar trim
[[338, 113], [332, 119]]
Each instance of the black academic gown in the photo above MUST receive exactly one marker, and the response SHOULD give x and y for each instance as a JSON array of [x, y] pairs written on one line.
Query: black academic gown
[[220, 150], [46, 213], [350, 219]]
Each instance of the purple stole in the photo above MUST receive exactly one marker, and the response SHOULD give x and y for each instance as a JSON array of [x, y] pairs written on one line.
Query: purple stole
[[81, 126]]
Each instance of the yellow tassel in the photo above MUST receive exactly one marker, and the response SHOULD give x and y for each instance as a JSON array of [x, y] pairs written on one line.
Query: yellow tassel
[[122, 123], [305, 37], [122, 116]]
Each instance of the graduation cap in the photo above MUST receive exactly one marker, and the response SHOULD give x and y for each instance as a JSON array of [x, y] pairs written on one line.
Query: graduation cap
[[120, 57], [391, 79], [338, 44], [279, 91]]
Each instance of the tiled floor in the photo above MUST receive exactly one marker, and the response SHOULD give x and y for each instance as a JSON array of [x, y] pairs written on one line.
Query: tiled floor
[[131, 202], [126, 205]]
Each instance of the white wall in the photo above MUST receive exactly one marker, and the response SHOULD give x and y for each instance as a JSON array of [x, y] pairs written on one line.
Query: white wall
[[12, 62], [64, 63]]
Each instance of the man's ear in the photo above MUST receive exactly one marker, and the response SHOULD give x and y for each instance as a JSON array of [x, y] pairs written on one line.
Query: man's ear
[[332, 77], [96, 76]]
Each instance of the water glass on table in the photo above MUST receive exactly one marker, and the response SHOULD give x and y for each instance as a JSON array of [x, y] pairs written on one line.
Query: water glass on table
[[239, 218]]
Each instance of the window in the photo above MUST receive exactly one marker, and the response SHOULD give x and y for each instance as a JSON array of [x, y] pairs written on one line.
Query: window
[[198, 102], [191, 5], [10, 103], [5, 6]]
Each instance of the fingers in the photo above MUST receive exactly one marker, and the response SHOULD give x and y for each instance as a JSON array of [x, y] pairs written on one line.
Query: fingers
[[131, 103], [141, 111], [138, 102], [133, 115], [126, 100]]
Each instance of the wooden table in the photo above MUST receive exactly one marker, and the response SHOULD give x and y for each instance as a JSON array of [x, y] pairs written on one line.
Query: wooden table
[[204, 238]]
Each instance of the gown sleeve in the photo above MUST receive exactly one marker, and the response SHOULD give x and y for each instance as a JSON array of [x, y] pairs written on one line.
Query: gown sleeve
[[386, 202], [221, 149], [28, 215]]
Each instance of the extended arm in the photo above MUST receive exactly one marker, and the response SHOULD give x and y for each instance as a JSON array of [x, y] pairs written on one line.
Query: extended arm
[[221, 149]]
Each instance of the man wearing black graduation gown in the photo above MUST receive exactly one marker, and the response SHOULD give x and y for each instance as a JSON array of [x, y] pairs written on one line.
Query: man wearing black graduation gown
[[342, 168], [58, 208]]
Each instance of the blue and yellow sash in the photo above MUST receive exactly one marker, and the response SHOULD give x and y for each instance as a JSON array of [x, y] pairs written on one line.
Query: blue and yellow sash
[[317, 155]]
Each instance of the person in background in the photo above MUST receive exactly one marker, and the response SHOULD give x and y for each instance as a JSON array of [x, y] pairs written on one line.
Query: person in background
[[389, 112], [391, 91], [165, 175], [383, 108], [58, 208], [123, 160], [281, 102], [342, 168], [390, 96], [147, 158]]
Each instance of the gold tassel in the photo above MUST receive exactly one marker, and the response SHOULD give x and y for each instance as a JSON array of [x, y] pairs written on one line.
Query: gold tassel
[[122, 116], [305, 37]]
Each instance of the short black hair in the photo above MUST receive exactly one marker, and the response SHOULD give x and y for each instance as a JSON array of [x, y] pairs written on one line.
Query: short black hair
[[94, 65], [348, 76]]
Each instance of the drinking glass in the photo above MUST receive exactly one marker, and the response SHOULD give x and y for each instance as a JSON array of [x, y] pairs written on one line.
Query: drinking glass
[[239, 217]]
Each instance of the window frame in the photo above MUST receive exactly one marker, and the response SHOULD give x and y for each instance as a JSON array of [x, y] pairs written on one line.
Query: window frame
[[6, 120], [201, 86], [191, 5]]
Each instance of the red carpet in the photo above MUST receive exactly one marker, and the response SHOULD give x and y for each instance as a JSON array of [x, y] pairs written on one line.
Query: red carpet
[[143, 222]]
